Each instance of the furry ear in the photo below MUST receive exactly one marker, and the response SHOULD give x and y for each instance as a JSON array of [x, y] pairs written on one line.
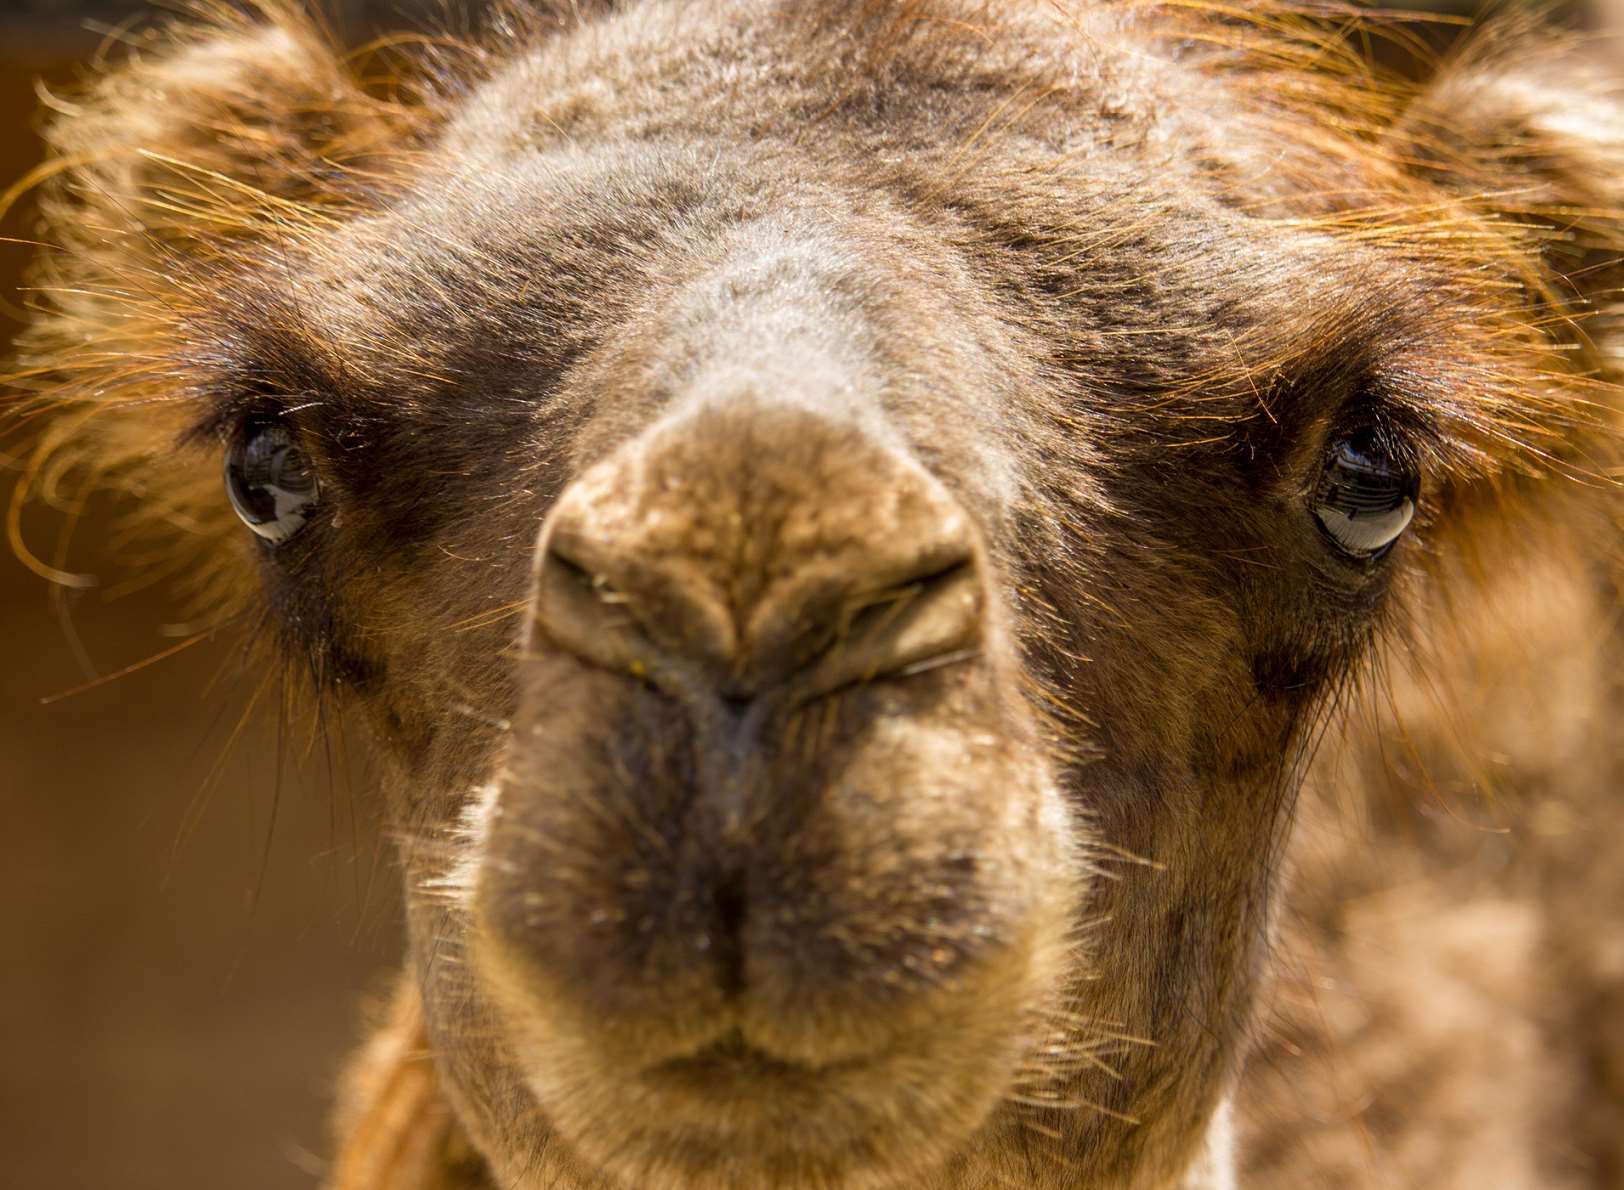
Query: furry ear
[[1519, 145], [1528, 127], [213, 129]]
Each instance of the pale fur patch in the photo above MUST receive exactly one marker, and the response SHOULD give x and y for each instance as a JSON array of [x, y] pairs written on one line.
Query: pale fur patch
[[468, 838], [1214, 1169]]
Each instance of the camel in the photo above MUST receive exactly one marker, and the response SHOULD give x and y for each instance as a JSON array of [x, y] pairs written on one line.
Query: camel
[[858, 531]]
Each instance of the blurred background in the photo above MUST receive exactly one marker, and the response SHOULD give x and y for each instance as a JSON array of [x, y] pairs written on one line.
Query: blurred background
[[192, 913]]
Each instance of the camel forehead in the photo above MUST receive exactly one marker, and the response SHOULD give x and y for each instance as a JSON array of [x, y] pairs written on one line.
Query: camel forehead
[[754, 73], [554, 247], [1105, 233], [1056, 124], [1029, 128]]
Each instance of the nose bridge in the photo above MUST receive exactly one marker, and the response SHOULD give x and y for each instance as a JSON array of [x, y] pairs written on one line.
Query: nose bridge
[[787, 314], [745, 537]]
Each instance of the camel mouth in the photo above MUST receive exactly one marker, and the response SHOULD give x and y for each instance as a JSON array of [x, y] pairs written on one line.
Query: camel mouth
[[746, 1095], [733, 1063]]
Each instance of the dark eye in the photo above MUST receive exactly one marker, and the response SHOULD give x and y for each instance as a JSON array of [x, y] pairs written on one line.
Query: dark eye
[[270, 479], [1365, 497]]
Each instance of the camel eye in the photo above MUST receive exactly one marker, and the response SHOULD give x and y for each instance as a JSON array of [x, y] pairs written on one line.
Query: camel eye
[[1365, 498], [270, 479]]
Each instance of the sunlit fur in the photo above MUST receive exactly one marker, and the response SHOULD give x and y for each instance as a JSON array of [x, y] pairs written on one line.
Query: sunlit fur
[[1115, 275]]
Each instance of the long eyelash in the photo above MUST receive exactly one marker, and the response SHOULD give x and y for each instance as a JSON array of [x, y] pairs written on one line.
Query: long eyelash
[[225, 410]]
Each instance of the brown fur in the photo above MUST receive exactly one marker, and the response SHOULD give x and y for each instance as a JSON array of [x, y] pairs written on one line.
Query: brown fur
[[656, 362]]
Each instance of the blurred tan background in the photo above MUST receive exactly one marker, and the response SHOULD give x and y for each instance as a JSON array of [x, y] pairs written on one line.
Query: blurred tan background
[[188, 926]]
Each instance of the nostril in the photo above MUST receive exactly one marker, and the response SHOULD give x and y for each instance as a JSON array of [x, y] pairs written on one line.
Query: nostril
[[899, 630], [581, 612], [884, 608], [604, 594], [582, 582]]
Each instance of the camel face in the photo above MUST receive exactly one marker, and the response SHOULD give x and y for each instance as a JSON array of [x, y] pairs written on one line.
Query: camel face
[[845, 527]]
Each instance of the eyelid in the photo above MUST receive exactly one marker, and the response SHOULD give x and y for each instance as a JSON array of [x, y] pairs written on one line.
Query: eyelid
[[230, 409]]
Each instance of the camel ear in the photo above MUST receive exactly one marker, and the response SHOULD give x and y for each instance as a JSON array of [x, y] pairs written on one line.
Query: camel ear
[[1528, 127], [207, 133]]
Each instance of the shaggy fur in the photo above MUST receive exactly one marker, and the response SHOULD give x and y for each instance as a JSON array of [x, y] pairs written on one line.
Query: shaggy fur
[[815, 510]]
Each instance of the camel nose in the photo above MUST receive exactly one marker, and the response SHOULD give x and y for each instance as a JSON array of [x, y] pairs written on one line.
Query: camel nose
[[758, 550]]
